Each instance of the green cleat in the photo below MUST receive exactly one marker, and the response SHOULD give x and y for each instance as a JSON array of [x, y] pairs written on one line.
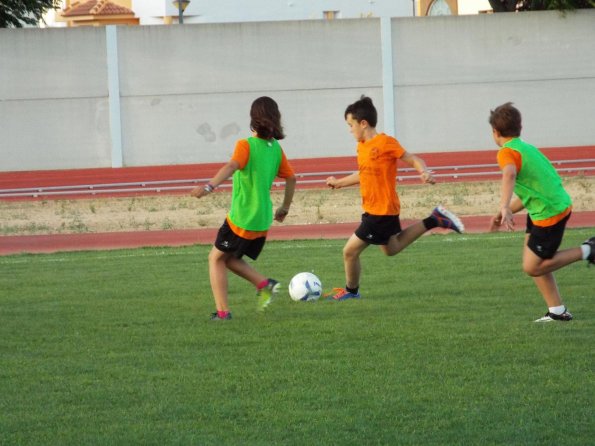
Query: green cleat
[[266, 294]]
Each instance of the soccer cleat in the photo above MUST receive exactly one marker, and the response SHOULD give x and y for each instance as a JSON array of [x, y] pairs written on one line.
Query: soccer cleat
[[591, 258], [447, 219], [549, 317], [215, 317], [343, 294], [266, 293]]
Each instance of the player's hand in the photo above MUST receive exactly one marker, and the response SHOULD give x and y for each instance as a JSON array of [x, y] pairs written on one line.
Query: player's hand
[[281, 213], [199, 192], [331, 182], [495, 223], [504, 218], [427, 177]]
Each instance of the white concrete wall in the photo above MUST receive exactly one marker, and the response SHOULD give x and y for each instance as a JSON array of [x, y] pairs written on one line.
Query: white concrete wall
[[185, 91], [450, 71], [53, 99], [196, 102]]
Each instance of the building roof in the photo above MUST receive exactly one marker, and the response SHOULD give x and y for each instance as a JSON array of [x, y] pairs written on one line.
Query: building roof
[[95, 8]]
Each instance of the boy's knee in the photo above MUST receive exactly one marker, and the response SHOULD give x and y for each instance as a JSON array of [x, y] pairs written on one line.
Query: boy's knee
[[349, 253], [214, 256], [531, 270]]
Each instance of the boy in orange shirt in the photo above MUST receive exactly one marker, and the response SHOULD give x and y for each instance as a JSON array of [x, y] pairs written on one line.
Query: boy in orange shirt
[[529, 175], [377, 156]]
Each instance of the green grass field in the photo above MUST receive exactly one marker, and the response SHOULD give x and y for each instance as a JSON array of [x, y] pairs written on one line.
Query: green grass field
[[116, 348]]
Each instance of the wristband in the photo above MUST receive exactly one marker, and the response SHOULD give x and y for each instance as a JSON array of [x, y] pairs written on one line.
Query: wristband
[[209, 187]]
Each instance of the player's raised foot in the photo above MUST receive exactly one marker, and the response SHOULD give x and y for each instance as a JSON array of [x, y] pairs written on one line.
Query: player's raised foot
[[342, 294], [267, 293], [447, 219], [215, 317], [550, 317], [591, 258]]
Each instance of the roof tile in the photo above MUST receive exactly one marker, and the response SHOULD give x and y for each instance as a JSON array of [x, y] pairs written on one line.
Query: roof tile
[[95, 7]]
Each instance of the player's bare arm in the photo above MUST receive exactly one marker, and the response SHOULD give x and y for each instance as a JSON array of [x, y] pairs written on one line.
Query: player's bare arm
[[418, 164], [224, 173], [283, 210], [508, 203], [349, 180]]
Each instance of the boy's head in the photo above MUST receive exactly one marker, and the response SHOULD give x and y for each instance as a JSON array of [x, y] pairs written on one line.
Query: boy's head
[[363, 110], [265, 118], [506, 120]]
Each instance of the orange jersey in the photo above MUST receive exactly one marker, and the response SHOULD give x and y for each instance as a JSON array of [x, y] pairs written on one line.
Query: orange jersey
[[377, 162], [241, 154], [507, 156]]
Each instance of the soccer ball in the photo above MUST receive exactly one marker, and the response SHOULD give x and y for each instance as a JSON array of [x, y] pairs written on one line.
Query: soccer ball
[[305, 287]]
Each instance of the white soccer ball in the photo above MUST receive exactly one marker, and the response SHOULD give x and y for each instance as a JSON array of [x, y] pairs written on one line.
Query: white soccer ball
[[305, 287]]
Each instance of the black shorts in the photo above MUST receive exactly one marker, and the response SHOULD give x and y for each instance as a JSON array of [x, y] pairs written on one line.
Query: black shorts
[[377, 229], [229, 241], [545, 241]]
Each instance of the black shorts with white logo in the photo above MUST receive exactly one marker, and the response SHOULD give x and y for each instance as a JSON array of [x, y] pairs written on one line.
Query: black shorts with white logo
[[545, 241], [229, 241], [377, 229]]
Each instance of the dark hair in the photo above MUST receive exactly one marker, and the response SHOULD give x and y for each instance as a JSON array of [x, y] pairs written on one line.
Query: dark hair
[[363, 110], [265, 118], [506, 119]]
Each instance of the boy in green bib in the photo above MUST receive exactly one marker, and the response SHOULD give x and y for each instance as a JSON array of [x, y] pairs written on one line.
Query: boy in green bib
[[529, 175], [254, 165]]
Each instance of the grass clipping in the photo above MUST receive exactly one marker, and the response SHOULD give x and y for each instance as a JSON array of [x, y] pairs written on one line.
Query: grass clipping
[[310, 206]]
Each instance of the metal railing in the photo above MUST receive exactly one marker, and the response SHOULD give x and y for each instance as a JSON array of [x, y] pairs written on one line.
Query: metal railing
[[311, 178]]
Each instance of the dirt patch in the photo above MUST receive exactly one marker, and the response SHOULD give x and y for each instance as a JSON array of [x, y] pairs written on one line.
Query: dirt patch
[[172, 212]]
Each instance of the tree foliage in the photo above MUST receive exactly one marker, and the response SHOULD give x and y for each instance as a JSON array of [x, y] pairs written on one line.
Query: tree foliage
[[16, 13], [540, 5]]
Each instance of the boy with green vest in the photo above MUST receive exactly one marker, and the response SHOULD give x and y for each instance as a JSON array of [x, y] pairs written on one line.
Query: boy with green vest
[[528, 174], [254, 165]]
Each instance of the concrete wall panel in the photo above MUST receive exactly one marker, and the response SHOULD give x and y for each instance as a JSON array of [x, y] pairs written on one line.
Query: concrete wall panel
[[54, 134], [52, 63], [249, 57], [494, 48], [195, 128], [451, 71], [455, 117], [194, 107]]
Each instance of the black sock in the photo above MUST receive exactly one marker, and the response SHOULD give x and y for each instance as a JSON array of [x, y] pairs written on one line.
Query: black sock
[[352, 290], [430, 222]]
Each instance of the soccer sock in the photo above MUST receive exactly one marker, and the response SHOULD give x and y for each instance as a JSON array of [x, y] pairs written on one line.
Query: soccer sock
[[430, 222], [586, 250], [352, 290], [222, 314], [557, 310], [262, 284]]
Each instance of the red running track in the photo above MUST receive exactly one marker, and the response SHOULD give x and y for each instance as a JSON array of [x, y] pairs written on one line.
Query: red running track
[[442, 160], [119, 240], [129, 240]]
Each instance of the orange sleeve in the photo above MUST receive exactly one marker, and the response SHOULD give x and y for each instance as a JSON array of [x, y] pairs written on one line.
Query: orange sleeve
[[241, 154], [508, 156], [398, 149], [285, 169]]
